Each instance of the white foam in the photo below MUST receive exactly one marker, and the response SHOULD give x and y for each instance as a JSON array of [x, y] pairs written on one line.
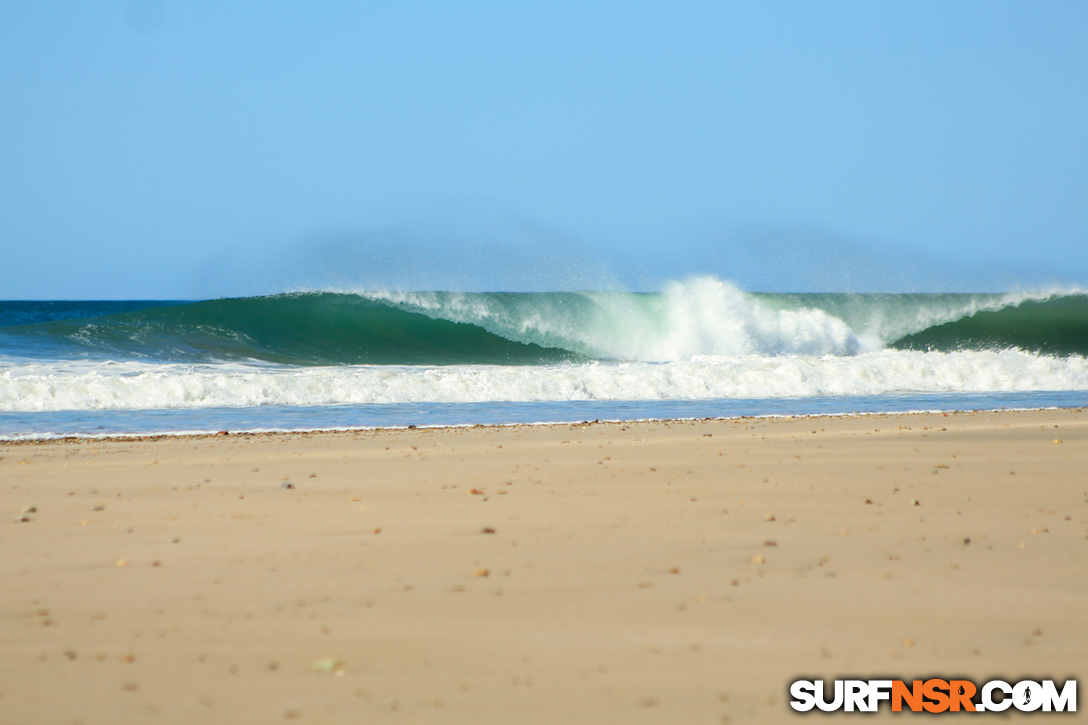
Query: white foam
[[704, 316], [138, 385], [698, 316]]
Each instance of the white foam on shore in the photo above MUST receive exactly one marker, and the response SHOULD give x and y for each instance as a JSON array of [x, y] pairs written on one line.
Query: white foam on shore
[[74, 386]]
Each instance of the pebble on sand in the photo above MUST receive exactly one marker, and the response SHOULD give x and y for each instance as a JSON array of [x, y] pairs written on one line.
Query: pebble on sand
[[481, 572], [328, 666]]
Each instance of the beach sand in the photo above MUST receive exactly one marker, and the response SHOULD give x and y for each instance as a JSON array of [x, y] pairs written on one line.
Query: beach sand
[[667, 572]]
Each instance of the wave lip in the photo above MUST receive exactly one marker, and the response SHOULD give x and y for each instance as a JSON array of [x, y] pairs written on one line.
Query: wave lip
[[317, 328], [700, 316], [1051, 326]]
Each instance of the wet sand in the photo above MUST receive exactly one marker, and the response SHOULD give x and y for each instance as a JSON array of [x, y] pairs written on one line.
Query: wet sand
[[680, 572]]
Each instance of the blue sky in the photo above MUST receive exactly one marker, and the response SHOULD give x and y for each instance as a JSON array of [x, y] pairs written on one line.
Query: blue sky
[[181, 150]]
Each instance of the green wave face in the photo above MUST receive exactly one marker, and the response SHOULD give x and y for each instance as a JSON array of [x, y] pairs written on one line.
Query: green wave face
[[701, 316], [1051, 327], [297, 329]]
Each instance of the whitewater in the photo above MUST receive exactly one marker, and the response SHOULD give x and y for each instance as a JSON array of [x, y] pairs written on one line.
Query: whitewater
[[79, 367]]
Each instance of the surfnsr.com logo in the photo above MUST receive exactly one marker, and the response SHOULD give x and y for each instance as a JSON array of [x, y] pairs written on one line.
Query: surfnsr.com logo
[[934, 695]]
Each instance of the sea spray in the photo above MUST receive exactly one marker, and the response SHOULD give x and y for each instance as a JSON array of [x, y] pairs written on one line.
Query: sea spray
[[700, 316]]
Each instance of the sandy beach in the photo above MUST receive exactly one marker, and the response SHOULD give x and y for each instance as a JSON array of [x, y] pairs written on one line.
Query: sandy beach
[[667, 572]]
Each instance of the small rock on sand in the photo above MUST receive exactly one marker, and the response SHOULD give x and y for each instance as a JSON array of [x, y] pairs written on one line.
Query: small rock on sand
[[328, 666]]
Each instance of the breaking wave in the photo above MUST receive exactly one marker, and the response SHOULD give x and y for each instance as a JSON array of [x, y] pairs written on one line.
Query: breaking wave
[[701, 316], [698, 339]]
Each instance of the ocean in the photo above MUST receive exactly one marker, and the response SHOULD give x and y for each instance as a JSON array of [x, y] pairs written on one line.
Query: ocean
[[699, 348]]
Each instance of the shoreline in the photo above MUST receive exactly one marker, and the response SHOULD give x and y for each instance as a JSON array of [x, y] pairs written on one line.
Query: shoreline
[[660, 571], [194, 435]]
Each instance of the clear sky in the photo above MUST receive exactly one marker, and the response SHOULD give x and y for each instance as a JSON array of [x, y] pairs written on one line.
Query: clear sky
[[167, 149]]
